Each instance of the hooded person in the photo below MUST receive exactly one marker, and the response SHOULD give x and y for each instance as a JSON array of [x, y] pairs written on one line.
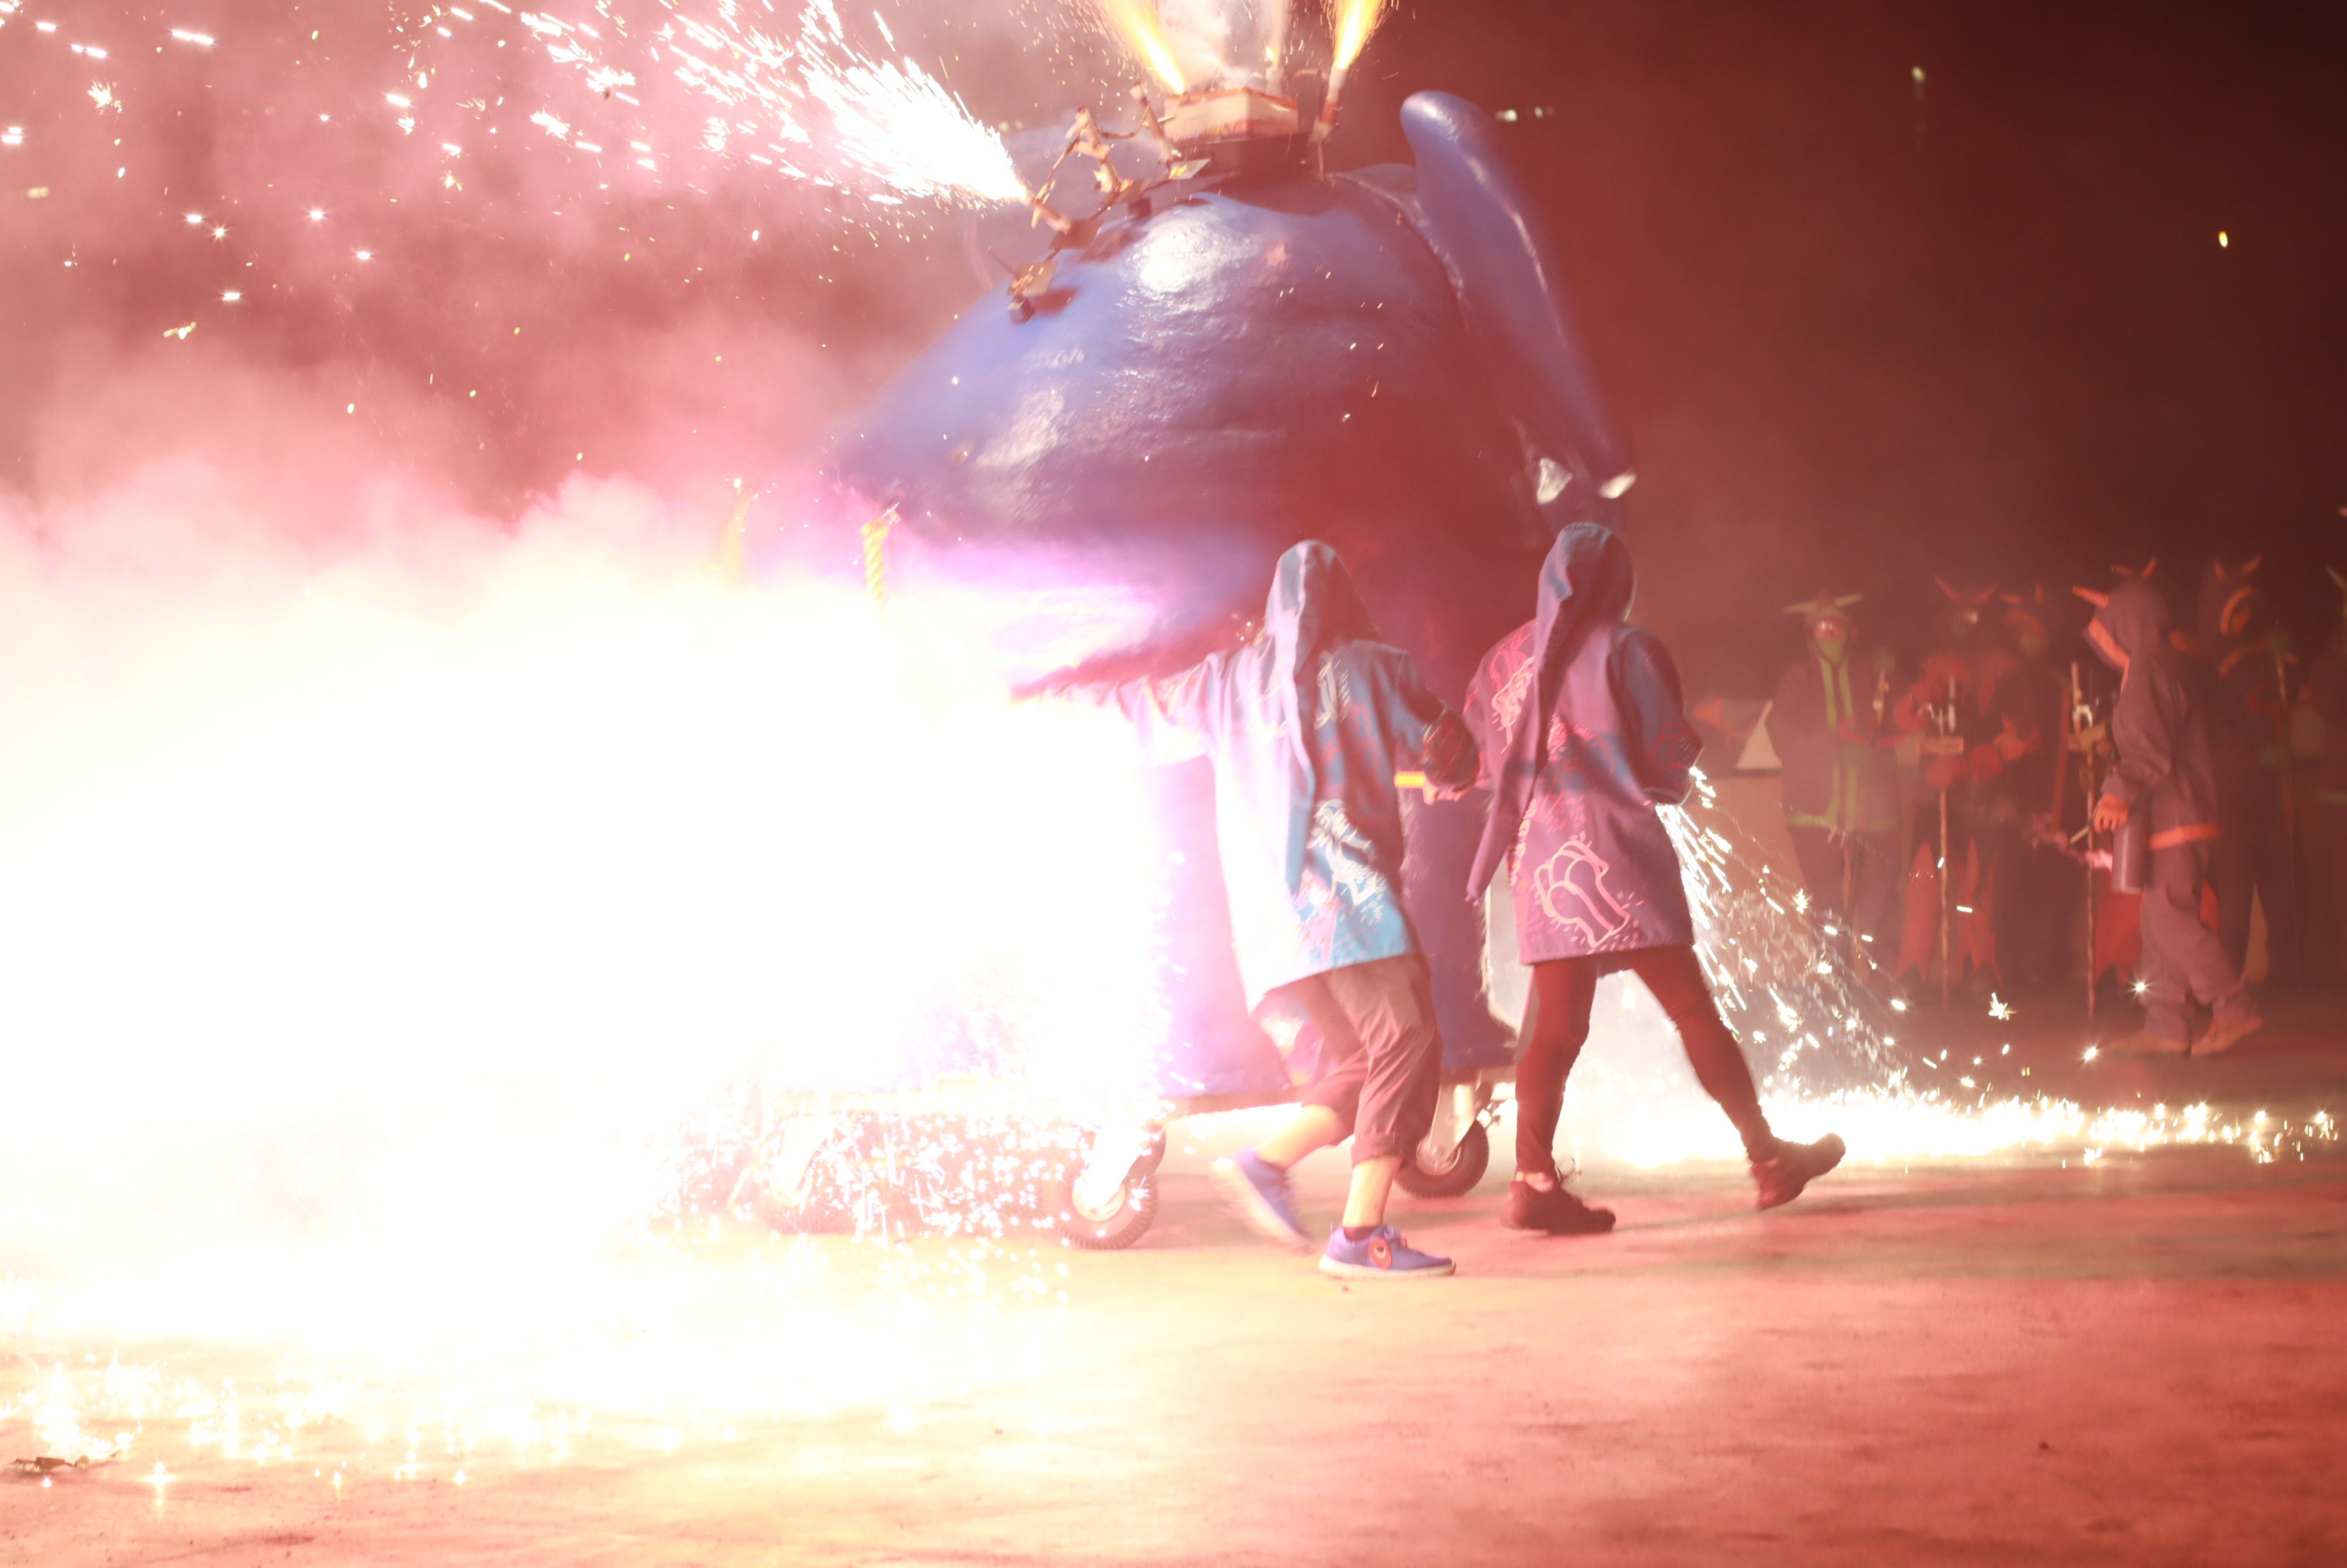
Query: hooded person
[[1306, 727], [2164, 770], [1829, 725], [2249, 723], [2326, 687], [1582, 730], [2037, 888]]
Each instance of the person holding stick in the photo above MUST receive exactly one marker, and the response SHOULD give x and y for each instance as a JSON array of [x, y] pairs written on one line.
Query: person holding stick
[[1829, 725]]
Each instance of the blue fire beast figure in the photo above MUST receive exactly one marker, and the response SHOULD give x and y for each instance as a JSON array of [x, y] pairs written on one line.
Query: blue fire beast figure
[[1236, 352]]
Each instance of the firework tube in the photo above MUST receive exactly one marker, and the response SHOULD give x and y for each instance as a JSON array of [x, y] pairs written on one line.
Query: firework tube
[[1275, 47], [1327, 123], [875, 557]]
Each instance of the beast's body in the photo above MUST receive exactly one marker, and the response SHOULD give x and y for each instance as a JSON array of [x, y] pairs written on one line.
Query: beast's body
[[1382, 360]]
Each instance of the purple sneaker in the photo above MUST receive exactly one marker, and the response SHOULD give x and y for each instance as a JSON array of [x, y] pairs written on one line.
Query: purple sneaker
[[1257, 1191], [1380, 1255]]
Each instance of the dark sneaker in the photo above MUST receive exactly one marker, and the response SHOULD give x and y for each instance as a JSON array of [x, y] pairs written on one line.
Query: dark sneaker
[[1554, 1210], [1783, 1174], [1258, 1193], [1380, 1255], [2223, 1036]]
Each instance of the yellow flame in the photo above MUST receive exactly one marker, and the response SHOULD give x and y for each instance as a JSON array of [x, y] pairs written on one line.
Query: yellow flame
[[1352, 22], [1136, 22]]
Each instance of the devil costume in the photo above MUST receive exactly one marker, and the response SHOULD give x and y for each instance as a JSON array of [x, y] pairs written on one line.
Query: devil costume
[[2037, 888], [1305, 728], [1828, 725], [2165, 767], [1999, 722], [1579, 722]]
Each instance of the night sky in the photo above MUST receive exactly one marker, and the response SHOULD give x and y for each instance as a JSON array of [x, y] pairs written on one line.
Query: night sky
[[1862, 329], [1863, 324]]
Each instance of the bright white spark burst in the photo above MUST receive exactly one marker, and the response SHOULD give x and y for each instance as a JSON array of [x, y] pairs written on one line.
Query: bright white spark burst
[[807, 102]]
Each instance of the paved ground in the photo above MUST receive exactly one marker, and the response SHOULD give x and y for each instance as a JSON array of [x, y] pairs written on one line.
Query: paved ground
[[2132, 1362]]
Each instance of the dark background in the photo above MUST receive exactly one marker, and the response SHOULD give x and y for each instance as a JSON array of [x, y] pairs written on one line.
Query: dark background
[[1862, 328]]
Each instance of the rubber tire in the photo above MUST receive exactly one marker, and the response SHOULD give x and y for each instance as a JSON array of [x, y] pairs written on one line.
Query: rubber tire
[[1455, 1180], [1135, 1214]]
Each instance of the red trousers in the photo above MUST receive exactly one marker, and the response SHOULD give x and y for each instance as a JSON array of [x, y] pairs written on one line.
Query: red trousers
[[1556, 1026]]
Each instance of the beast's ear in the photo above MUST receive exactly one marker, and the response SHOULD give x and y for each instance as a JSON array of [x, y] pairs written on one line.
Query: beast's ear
[[2095, 597], [2252, 564], [1847, 599], [1511, 285], [1948, 588], [2336, 578]]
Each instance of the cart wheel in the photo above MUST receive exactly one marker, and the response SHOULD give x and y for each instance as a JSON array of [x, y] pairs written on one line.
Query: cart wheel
[[1454, 1177], [1150, 1157], [1109, 1226]]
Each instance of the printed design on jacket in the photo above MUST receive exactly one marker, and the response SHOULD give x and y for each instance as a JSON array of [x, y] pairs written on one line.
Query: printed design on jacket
[[1354, 881], [1570, 888], [1507, 699], [1331, 707]]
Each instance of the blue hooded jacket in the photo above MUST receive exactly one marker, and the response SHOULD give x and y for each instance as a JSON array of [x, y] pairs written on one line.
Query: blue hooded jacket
[[1583, 733], [1305, 728]]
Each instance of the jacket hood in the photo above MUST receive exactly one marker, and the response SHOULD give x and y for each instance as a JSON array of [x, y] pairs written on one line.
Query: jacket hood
[[2137, 617], [1314, 607], [1314, 604], [1587, 580]]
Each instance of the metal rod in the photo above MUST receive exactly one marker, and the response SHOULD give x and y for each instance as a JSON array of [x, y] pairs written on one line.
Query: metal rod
[[2078, 729], [1947, 872], [1947, 907]]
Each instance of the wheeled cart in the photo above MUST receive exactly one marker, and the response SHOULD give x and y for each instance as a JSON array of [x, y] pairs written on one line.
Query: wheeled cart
[[946, 1162]]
